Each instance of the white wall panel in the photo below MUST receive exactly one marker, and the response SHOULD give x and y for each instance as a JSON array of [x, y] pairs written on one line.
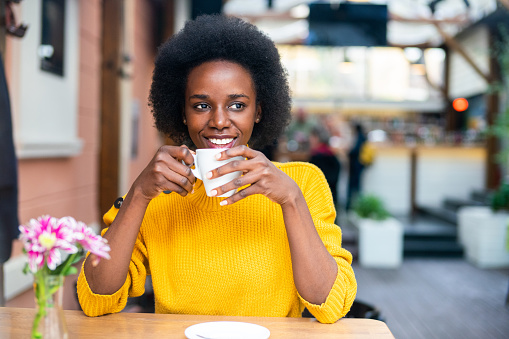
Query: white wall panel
[[464, 80], [47, 104]]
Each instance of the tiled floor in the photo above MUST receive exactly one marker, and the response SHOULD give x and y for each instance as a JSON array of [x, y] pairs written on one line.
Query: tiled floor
[[428, 298], [438, 298]]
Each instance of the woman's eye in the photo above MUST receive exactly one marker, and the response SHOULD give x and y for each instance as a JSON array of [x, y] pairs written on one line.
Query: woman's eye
[[201, 106], [237, 105]]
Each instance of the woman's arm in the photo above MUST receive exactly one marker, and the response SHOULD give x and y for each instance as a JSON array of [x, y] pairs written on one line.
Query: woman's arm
[[314, 268], [107, 276], [164, 172]]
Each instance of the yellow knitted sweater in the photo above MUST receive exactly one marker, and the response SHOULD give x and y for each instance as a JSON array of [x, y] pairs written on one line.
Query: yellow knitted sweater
[[228, 260]]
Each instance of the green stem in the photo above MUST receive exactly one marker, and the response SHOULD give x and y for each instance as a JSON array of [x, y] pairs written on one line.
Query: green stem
[[40, 295], [68, 262], [45, 287]]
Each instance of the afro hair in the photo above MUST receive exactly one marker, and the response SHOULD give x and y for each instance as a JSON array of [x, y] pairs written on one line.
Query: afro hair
[[211, 38]]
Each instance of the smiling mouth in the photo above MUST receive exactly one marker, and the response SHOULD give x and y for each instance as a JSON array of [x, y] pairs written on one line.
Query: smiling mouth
[[220, 143]]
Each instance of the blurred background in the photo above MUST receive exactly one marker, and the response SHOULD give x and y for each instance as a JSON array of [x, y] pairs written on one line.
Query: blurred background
[[404, 105]]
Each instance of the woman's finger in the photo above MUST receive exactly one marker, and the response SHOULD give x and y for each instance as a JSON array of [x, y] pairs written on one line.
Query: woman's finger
[[173, 180], [179, 154], [170, 187], [259, 163], [243, 193], [242, 150], [248, 179]]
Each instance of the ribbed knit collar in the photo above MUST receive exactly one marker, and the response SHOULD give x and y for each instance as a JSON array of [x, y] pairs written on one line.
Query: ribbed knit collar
[[203, 202]]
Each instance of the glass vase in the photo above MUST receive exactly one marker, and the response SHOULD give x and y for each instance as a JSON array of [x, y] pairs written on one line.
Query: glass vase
[[49, 321]]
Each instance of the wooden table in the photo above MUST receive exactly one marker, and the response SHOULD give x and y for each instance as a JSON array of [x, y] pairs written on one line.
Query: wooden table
[[15, 323]]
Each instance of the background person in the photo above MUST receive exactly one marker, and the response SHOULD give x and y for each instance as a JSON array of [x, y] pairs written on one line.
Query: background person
[[355, 166], [323, 156], [299, 130]]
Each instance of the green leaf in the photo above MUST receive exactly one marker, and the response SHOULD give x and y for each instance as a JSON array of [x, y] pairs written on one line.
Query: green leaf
[[370, 207], [77, 258], [26, 269], [500, 198], [70, 270]]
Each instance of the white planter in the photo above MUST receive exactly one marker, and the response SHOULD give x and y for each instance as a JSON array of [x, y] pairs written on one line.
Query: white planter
[[483, 234], [380, 242]]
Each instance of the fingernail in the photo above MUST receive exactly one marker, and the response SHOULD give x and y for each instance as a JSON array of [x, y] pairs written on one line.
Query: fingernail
[[223, 203], [213, 193], [218, 156], [209, 175], [192, 191]]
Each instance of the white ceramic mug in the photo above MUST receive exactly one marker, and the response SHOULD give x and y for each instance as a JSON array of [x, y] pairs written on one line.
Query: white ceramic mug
[[205, 161]]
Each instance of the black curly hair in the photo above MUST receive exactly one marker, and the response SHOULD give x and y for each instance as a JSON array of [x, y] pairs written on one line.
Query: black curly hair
[[217, 37]]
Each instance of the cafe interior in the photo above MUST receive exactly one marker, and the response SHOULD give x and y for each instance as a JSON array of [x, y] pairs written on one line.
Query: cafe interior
[[426, 82]]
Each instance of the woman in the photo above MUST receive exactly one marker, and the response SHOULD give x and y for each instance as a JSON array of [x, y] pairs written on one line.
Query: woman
[[219, 83], [324, 158], [355, 166]]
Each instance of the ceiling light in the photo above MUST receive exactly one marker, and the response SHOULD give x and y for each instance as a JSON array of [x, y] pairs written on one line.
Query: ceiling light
[[300, 12], [413, 54]]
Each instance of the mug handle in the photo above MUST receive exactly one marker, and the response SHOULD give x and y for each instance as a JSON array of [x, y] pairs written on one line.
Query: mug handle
[[195, 170]]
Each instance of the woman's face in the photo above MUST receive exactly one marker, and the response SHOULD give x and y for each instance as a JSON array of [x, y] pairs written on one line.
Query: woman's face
[[220, 105]]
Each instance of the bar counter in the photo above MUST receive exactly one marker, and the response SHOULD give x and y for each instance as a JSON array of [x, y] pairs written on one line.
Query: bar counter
[[16, 323]]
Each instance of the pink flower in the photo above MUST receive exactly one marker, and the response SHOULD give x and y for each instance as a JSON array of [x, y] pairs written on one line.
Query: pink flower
[[46, 238], [90, 242], [43, 239]]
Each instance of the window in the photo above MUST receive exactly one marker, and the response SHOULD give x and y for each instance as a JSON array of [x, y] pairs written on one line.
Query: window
[[45, 93], [51, 50]]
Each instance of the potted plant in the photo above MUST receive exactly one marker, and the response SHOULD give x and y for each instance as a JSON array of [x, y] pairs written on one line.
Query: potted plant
[[380, 235], [483, 231]]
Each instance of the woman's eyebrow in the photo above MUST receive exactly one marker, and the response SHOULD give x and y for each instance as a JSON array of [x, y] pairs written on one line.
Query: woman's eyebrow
[[205, 96], [235, 96], [199, 96]]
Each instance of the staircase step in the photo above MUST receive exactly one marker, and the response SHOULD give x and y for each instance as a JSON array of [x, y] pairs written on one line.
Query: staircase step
[[432, 248], [430, 237], [439, 213], [455, 204], [483, 197]]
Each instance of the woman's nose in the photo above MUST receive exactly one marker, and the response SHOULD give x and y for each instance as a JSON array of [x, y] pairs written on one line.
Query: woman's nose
[[219, 119]]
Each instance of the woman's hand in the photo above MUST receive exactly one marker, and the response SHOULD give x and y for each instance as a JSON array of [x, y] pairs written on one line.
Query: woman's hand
[[314, 269], [261, 174], [166, 172]]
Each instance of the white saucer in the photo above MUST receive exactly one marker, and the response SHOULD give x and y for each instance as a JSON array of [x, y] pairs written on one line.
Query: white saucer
[[226, 330]]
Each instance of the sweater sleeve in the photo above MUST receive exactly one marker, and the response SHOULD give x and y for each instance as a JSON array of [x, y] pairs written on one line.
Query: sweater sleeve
[[319, 199], [97, 304]]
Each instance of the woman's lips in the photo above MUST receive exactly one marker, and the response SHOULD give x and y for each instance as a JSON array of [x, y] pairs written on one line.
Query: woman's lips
[[220, 142]]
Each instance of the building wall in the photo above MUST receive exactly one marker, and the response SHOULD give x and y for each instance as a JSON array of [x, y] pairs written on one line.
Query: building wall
[[464, 80], [144, 48], [68, 185]]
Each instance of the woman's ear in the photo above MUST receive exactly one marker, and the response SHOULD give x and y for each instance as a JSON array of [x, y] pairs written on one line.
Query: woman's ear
[[258, 115]]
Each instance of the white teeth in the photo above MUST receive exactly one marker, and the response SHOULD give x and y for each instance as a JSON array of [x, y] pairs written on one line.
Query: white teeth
[[221, 141]]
